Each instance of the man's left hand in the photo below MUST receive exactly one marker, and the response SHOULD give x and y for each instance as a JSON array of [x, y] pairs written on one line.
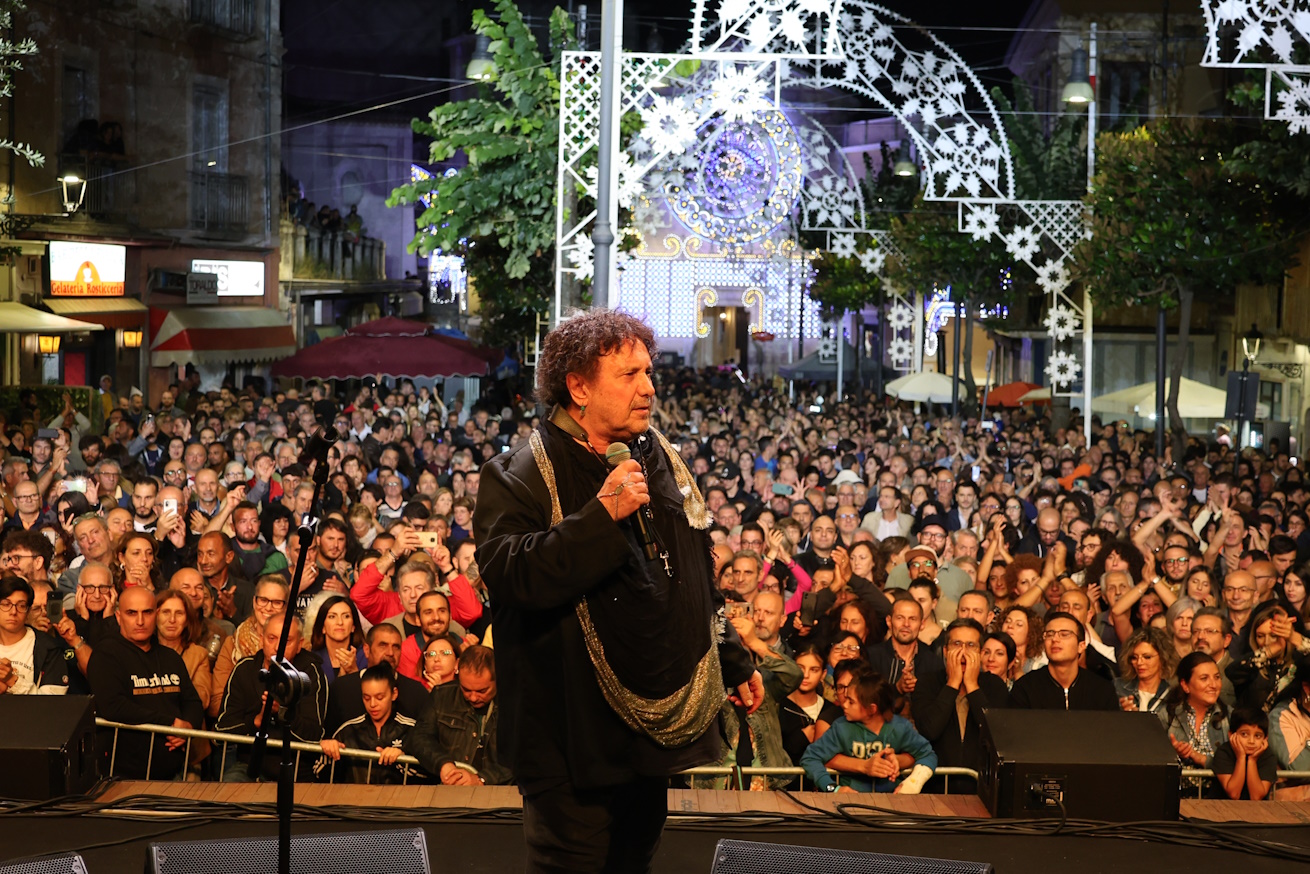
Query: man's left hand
[[750, 694]]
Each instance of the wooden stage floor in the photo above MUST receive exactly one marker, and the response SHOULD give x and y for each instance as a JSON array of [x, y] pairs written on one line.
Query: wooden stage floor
[[682, 802]]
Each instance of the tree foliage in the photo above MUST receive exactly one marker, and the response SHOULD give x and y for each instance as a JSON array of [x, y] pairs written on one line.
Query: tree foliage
[[11, 61], [1174, 217], [499, 210], [1172, 212], [1047, 165]]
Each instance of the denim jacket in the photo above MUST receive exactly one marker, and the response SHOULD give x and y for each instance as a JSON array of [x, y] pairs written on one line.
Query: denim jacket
[[448, 731]]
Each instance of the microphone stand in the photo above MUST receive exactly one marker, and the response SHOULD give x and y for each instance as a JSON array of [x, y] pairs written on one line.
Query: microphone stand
[[283, 683]]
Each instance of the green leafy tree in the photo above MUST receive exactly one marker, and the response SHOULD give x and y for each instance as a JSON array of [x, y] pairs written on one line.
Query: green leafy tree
[[934, 254], [1048, 165], [1174, 217], [499, 210]]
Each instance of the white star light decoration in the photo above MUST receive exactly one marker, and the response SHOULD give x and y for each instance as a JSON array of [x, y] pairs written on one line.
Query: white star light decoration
[[966, 159], [582, 255], [1266, 23], [1062, 369], [1062, 322], [900, 350], [982, 223], [629, 186], [842, 245], [1053, 276], [738, 94], [1294, 105], [900, 317], [1023, 242], [872, 260], [669, 124]]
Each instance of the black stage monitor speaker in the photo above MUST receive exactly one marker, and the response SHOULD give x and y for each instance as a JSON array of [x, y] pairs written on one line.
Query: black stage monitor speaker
[[64, 863], [1099, 765], [48, 746], [750, 857], [381, 852]]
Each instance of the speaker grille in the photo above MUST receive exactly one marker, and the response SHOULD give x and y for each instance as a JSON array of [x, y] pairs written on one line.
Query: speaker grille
[[68, 863], [748, 857], [381, 852]]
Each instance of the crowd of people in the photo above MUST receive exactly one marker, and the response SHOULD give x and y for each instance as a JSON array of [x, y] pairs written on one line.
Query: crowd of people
[[892, 574]]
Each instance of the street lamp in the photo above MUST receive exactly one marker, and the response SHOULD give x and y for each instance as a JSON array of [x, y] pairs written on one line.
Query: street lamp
[[1078, 90], [904, 167], [1250, 349], [482, 66], [74, 189]]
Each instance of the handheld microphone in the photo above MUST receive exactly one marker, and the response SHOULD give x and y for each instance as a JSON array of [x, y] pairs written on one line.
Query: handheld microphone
[[616, 454]]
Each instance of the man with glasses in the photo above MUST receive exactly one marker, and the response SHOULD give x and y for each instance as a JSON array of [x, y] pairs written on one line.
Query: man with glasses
[[1063, 684], [27, 498], [27, 554], [953, 581], [948, 704], [393, 497], [1175, 563], [30, 663], [175, 474], [1240, 597], [1211, 634]]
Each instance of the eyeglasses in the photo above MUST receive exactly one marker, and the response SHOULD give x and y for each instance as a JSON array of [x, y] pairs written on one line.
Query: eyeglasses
[[928, 535], [16, 557], [847, 516], [845, 647], [960, 644], [392, 482], [26, 497], [919, 564], [101, 589], [261, 601], [174, 474], [1182, 560], [11, 607], [1059, 633], [438, 652]]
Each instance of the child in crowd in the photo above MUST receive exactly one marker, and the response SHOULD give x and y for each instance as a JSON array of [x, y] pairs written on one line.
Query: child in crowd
[[1245, 766], [869, 745]]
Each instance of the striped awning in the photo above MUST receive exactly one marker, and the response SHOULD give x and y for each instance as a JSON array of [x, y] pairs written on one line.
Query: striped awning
[[213, 335]]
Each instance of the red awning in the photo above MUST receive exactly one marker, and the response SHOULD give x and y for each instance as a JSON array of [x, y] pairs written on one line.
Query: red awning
[[209, 335]]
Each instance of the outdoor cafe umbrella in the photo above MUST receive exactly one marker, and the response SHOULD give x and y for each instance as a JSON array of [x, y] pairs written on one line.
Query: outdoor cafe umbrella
[[926, 385], [1009, 395], [392, 347], [1196, 400]]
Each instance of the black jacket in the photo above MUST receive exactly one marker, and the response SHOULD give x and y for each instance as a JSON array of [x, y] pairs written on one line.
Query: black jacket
[[346, 702], [885, 661], [450, 730], [141, 687], [555, 723], [933, 706], [1038, 690], [243, 701], [359, 734]]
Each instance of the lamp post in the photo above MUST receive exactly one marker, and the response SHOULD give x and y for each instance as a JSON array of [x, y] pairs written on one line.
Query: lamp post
[[1250, 349], [1079, 92], [602, 234], [74, 190]]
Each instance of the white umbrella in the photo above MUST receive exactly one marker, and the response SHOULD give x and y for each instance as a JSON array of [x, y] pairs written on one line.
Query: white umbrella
[[1196, 400], [1037, 394], [926, 385]]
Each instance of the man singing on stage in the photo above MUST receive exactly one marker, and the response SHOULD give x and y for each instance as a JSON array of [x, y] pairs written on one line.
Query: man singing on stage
[[612, 665]]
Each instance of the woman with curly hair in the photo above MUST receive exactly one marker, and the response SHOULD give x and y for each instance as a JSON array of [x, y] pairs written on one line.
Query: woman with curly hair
[[1025, 629], [1146, 667], [1115, 555]]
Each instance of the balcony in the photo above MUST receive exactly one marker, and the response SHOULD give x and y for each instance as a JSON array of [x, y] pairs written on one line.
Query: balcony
[[110, 185], [229, 16], [314, 253], [220, 202]]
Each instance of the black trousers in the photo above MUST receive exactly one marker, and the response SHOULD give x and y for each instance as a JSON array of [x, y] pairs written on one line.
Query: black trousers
[[616, 829]]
